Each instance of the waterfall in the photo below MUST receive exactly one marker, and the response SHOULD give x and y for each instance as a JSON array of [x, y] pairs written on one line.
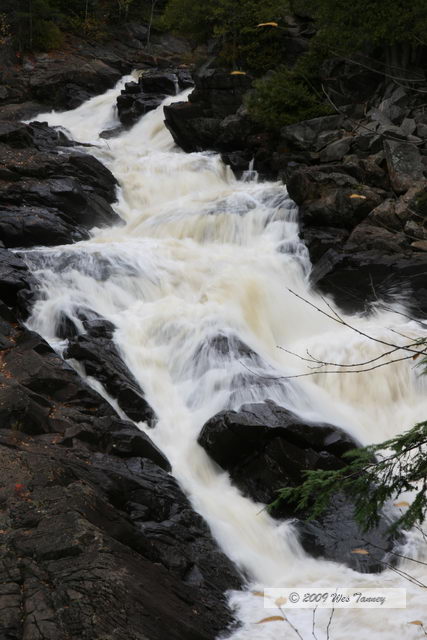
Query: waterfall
[[201, 255]]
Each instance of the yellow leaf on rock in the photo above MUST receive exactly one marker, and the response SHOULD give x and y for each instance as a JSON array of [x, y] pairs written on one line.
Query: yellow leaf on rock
[[361, 552], [357, 195], [268, 24], [272, 619], [238, 73]]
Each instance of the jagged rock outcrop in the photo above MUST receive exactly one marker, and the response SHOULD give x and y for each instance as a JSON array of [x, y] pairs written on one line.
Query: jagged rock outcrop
[[199, 123], [384, 258], [65, 78], [97, 538], [50, 195], [138, 98], [101, 360], [264, 447]]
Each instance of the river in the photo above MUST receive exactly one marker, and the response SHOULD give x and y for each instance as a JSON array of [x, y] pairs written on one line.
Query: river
[[202, 254]]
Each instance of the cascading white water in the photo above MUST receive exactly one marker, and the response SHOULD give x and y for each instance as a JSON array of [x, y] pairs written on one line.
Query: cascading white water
[[203, 255]]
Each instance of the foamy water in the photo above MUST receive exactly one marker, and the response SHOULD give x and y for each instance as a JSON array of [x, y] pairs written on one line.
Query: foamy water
[[203, 255]]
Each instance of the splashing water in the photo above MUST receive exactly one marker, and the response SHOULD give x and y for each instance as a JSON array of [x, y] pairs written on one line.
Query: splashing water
[[203, 257]]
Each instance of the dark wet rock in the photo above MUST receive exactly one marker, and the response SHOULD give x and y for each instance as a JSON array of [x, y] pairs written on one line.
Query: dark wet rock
[[336, 150], [404, 164], [93, 543], [74, 516], [159, 83], [380, 258], [185, 79], [112, 133], [312, 135], [332, 195], [49, 197], [128, 443], [181, 118], [36, 135], [361, 278], [201, 123], [265, 447], [101, 360], [15, 134], [367, 143], [131, 107], [66, 85], [239, 161], [77, 205], [99, 327], [14, 277], [219, 91], [21, 111], [138, 98], [29, 226], [234, 132], [22, 410], [232, 438], [319, 240]]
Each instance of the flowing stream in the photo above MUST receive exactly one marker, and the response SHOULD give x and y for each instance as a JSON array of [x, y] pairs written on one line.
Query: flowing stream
[[204, 256]]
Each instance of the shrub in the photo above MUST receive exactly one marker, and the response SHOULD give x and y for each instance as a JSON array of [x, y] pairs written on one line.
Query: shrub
[[284, 97], [46, 36]]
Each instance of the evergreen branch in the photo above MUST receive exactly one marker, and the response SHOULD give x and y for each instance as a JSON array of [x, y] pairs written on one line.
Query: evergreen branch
[[370, 480]]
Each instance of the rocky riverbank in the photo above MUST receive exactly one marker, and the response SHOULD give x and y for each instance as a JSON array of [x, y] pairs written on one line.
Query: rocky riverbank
[[98, 539], [359, 177], [65, 78]]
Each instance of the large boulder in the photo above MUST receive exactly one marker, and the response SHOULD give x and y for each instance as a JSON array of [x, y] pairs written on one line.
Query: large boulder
[[314, 134], [102, 361], [50, 195], [15, 277], [332, 195], [210, 118], [66, 85], [265, 447], [405, 164], [383, 258], [138, 98], [76, 204]]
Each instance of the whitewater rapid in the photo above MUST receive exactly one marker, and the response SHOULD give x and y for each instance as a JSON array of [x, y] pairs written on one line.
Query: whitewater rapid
[[200, 255]]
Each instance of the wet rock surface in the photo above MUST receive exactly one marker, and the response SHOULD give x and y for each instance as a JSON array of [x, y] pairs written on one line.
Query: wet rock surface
[[98, 540], [65, 78], [199, 123], [50, 193], [138, 98], [101, 360], [264, 447], [384, 258], [96, 535]]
